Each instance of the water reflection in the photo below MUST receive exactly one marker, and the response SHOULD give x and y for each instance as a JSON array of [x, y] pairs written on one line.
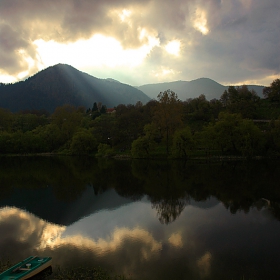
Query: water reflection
[[202, 244], [149, 220]]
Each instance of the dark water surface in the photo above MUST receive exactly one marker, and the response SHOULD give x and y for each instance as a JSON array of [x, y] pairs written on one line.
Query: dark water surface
[[144, 219]]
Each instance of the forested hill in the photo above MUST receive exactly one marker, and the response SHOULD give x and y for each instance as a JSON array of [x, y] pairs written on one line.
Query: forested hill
[[192, 89], [63, 84]]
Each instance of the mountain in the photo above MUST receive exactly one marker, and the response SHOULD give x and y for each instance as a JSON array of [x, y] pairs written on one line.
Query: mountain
[[63, 84], [192, 89]]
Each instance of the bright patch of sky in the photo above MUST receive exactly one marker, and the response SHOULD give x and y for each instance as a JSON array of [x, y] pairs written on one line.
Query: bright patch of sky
[[97, 51], [200, 21], [138, 38], [173, 47]]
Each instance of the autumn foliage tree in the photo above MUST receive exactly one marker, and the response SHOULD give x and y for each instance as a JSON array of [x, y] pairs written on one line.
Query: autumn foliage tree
[[168, 115]]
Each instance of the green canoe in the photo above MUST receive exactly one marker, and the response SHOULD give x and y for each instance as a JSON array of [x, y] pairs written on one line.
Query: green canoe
[[27, 268]]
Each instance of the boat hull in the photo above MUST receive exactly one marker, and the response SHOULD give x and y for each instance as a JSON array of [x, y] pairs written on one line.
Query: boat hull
[[27, 268]]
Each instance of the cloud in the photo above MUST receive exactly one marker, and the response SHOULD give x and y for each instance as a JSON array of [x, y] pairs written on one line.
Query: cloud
[[229, 41]]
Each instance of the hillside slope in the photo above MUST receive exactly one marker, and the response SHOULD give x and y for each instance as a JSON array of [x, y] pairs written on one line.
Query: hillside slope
[[63, 84], [192, 89]]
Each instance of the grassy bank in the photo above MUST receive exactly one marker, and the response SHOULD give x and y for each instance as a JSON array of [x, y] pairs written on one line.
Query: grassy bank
[[79, 273]]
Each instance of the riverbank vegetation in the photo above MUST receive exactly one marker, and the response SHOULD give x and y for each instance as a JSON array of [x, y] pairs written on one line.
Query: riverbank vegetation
[[239, 124], [79, 273]]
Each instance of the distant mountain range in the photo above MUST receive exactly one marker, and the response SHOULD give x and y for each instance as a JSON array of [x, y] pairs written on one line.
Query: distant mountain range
[[192, 89], [63, 84]]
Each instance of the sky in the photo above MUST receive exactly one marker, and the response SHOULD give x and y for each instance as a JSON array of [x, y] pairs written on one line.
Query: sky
[[136, 42]]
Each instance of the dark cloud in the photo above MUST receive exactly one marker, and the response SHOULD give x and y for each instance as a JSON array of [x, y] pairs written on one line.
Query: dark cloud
[[241, 39], [10, 45]]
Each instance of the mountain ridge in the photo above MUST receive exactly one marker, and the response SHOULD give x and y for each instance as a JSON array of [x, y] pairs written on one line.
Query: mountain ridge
[[192, 89], [63, 84]]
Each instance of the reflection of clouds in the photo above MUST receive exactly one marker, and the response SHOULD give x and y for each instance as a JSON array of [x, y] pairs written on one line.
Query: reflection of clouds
[[22, 229], [23, 234], [19, 221], [186, 248], [128, 251], [176, 240], [50, 235], [104, 246], [204, 265]]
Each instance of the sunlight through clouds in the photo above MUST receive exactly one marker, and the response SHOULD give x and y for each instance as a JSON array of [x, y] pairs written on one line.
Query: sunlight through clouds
[[124, 14], [162, 72], [173, 47], [97, 51], [200, 21], [106, 36]]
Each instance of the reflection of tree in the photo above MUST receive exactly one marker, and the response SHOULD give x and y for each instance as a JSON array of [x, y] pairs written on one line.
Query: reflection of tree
[[169, 209], [235, 206], [238, 185], [275, 210], [273, 207], [165, 185]]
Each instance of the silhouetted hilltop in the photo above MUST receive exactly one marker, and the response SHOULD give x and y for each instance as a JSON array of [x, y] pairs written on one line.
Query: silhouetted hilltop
[[192, 89], [63, 84]]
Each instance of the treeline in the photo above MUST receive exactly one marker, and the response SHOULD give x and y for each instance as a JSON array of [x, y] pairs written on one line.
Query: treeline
[[240, 123]]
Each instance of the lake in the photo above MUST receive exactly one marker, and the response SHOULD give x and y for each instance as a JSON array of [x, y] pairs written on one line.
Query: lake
[[144, 219]]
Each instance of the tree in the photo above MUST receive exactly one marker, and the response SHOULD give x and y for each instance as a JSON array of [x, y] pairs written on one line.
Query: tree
[[240, 100], [6, 120], [94, 108], [182, 142], [274, 136], [83, 143], [273, 92], [68, 119], [105, 150], [234, 135], [143, 145], [168, 114], [251, 140], [140, 147], [197, 109], [103, 109]]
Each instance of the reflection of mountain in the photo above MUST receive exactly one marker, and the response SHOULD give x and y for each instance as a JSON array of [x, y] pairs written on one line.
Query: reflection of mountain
[[45, 205], [202, 244], [68, 197]]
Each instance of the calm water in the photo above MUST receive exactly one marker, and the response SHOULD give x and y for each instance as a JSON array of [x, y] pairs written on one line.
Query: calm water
[[144, 219]]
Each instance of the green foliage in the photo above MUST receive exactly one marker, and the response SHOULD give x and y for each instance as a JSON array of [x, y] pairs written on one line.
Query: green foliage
[[240, 100], [197, 109], [182, 142], [217, 125], [141, 147], [103, 109], [6, 120], [168, 115], [104, 150], [273, 92], [68, 119], [234, 135], [83, 143], [6, 143], [94, 108]]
